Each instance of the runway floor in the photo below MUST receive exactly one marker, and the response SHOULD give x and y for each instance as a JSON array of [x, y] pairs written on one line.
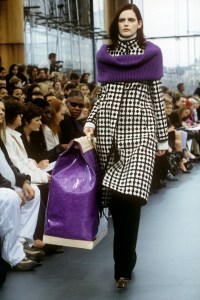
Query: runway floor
[[168, 266]]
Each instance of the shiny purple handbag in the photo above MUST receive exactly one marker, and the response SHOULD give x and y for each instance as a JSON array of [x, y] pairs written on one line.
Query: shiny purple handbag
[[72, 210]]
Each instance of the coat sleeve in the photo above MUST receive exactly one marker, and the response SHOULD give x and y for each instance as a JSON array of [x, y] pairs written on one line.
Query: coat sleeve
[[159, 111], [93, 115]]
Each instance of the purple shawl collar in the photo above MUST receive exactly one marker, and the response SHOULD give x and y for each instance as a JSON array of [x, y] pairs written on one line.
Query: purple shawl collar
[[129, 68]]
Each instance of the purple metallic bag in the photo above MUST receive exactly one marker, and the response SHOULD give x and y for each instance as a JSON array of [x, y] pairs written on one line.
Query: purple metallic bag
[[72, 210]]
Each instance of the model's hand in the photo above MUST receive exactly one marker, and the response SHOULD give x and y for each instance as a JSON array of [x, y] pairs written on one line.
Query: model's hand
[[160, 152], [28, 191], [89, 131]]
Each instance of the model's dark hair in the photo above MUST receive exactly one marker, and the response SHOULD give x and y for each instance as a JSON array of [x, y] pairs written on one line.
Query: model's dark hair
[[114, 31], [13, 108]]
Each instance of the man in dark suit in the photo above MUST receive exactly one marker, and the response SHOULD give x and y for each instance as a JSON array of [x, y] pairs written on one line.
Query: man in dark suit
[[72, 126]]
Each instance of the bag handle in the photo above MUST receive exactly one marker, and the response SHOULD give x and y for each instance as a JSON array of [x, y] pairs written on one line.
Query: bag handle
[[86, 143]]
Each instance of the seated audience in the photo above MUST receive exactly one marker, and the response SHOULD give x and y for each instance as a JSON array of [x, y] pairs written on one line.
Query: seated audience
[[19, 202], [37, 139], [15, 146]]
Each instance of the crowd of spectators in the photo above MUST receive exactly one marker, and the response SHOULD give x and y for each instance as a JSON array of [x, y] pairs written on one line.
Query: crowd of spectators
[[183, 115], [40, 113]]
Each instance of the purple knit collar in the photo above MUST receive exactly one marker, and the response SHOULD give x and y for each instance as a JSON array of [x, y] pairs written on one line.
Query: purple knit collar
[[129, 68]]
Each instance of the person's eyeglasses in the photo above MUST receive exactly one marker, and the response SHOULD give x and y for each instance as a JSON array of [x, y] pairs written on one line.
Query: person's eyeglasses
[[75, 104]]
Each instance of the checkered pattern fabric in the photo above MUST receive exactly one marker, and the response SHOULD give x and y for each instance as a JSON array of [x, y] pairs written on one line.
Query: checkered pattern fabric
[[130, 116]]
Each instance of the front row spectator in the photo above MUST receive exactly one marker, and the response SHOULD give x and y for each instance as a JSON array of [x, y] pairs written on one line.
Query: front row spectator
[[15, 146], [19, 203], [72, 126]]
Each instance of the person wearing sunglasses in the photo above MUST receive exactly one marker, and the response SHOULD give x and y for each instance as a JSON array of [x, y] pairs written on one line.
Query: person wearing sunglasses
[[71, 127]]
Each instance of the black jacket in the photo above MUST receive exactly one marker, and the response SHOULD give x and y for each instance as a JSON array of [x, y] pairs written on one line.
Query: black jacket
[[71, 129], [20, 177], [36, 148]]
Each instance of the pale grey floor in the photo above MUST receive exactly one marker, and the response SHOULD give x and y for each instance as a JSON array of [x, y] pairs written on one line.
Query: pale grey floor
[[168, 266]]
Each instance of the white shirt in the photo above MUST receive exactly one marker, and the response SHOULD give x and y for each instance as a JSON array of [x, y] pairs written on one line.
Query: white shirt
[[51, 139], [20, 159]]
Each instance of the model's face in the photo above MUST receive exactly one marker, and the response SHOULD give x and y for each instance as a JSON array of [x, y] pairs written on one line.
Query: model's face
[[128, 23], [2, 112]]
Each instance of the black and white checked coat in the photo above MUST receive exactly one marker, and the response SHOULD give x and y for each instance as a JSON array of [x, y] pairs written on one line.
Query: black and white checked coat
[[130, 116]]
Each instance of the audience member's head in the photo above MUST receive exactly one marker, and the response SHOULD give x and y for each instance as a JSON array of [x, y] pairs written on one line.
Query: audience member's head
[[75, 104], [184, 113], [37, 94], [46, 110], [85, 78], [74, 78], [33, 71], [2, 82], [181, 87], [57, 114], [32, 115], [3, 92], [168, 108], [83, 87], [49, 97], [13, 110], [17, 93], [68, 89], [13, 70], [52, 57], [179, 101], [3, 72]]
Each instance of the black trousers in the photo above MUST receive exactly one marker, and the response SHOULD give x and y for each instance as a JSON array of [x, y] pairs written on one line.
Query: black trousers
[[125, 212]]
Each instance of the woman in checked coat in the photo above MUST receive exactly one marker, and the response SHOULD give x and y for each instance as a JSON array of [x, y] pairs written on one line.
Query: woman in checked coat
[[130, 123]]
